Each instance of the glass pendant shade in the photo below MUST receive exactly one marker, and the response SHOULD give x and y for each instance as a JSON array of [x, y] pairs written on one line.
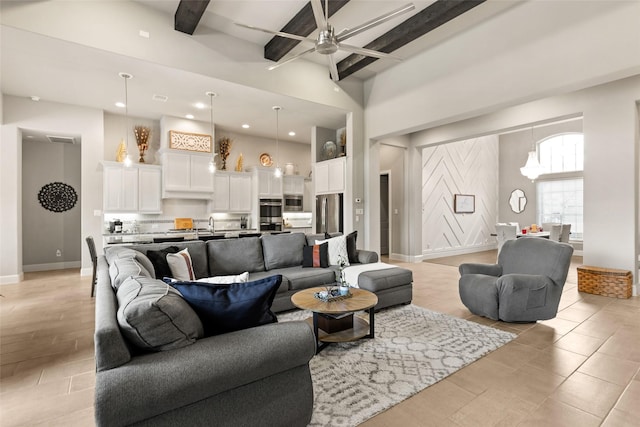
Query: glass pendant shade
[[532, 168]]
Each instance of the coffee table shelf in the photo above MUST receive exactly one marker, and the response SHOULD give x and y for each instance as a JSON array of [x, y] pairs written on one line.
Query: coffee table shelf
[[359, 330]]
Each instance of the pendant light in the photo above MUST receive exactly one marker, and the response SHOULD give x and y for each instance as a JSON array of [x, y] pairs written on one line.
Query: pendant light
[[212, 162], [532, 168], [278, 171], [126, 76]]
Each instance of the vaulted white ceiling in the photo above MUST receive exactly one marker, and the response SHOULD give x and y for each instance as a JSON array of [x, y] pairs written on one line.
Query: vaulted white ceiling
[[62, 71]]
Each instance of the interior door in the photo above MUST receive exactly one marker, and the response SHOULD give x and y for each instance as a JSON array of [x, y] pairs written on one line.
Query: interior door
[[384, 214]]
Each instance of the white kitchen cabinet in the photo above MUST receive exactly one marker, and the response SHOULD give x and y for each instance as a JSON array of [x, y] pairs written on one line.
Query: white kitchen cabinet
[[232, 192], [150, 189], [328, 176], [293, 184], [132, 189], [240, 195], [269, 186], [186, 176]]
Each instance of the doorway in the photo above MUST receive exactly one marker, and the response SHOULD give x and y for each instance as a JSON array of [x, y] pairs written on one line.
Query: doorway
[[384, 213]]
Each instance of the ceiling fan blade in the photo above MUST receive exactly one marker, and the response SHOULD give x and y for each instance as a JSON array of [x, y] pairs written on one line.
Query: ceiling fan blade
[[277, 33], [374, 22], [367, 52], [333, 68], [321, 22], [287, 60]]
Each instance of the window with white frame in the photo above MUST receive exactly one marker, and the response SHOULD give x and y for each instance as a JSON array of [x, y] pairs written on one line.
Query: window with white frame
[[560, 189]]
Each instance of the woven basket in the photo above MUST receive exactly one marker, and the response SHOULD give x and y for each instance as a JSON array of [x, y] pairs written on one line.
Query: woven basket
[[604, 281]]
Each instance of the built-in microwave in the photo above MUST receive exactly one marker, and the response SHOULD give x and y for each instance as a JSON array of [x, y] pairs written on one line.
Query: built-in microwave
[[293, 203]]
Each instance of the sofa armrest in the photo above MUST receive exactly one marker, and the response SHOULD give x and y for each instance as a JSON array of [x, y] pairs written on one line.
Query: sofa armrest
[[180, 377], [486, 269], [367, 257]]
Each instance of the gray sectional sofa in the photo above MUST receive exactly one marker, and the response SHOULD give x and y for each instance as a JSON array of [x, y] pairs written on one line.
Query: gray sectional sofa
[[256, 376]]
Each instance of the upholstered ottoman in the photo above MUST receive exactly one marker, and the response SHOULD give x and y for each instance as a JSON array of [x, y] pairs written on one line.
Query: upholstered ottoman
[[393, 286]]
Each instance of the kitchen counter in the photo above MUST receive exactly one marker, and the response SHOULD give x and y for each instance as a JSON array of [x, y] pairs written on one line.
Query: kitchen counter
[[135, 238]]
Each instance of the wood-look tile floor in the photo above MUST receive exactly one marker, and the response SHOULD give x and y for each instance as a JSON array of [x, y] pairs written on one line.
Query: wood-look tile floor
[[581, 368]]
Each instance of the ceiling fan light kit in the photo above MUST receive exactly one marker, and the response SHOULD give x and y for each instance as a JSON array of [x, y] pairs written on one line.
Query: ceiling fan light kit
[[328, 43]]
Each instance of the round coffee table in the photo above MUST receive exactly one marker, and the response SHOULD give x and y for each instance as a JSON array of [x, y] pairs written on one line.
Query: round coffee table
[[333, 321]]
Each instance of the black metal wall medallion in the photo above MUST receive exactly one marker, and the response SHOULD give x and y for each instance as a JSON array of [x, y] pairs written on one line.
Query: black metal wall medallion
[[57, 197]]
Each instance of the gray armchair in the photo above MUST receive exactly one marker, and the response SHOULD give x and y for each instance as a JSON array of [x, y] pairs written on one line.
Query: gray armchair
[[524, 286]]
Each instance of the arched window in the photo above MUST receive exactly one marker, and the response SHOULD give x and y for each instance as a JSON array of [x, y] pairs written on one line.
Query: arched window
[[559, 189], [562, 153]]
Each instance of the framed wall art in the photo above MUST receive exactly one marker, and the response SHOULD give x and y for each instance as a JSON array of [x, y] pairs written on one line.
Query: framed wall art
[[464, 203], [190, 141]]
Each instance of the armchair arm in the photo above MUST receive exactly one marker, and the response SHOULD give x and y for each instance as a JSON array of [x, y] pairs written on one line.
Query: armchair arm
[[177, 378], [523, 297], [367, 257], [486, 269]]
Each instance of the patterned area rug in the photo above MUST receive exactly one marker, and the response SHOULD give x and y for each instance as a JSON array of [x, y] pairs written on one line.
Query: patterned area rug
[[413, 349]]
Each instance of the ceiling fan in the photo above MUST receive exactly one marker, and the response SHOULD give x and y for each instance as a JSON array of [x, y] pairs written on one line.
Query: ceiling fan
[[328, 42]]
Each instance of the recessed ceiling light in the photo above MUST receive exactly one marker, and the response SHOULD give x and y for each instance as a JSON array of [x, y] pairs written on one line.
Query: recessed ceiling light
[[35, 98], [292, 133], [189, 116], [120, 104], [200, 105], [245, 126]]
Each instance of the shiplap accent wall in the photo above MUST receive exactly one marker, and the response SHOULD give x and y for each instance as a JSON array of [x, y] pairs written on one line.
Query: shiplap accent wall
[[463, 167]]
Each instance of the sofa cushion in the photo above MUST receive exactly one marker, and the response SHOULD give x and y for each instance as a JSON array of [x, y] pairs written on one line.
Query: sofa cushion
[[123, 268], [227, 308], [218, 280], [234, 256], [282, 250], [159, 260], [316, 256], [302, 278], [122, 252], [181, 265], [152, 315], [337, 250]]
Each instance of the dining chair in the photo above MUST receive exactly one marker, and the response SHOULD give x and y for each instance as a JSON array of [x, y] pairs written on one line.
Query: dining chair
[[504, 233], [554, 231], [565, 232], [94, 260]]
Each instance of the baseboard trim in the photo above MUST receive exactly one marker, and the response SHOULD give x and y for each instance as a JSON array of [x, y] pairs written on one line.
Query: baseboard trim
[[11, 279], [51, 266], [430, 254]]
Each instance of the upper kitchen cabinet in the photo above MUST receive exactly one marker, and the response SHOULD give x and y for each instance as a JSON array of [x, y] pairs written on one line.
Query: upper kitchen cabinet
[[232, 192], [132, 189], [293, 185], [329, 176], [268, 185], [186, 176]]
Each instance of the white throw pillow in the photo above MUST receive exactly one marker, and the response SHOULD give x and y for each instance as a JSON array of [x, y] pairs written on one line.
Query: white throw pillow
[[181, 266], [337, 250], [226, 280]]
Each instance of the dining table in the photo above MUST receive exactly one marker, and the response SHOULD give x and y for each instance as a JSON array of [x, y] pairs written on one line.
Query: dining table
[[542, 234]]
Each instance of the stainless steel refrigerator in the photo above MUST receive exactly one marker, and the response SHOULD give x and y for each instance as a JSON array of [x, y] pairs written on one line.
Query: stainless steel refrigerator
[[329, 213]]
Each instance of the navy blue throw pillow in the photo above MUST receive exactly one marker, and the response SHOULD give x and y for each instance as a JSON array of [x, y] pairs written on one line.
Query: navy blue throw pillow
[[227, 308]]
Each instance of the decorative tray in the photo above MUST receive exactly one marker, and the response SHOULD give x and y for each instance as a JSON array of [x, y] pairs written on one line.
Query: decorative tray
[[334, 296]]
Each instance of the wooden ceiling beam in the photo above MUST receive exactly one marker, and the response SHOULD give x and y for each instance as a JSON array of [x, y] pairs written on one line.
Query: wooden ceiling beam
[[188, 15], [430, 18], [302, 24]]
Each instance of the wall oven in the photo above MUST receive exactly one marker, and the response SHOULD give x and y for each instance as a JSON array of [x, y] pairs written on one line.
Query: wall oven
[[270, 215], [293, 203]]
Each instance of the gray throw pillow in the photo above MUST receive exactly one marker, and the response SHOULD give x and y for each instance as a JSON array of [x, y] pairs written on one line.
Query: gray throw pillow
[[282, 250], [154, 316], [123, 268]]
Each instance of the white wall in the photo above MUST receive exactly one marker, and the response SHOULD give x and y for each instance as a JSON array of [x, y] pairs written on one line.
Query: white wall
[[464, 167], [20, 114]]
